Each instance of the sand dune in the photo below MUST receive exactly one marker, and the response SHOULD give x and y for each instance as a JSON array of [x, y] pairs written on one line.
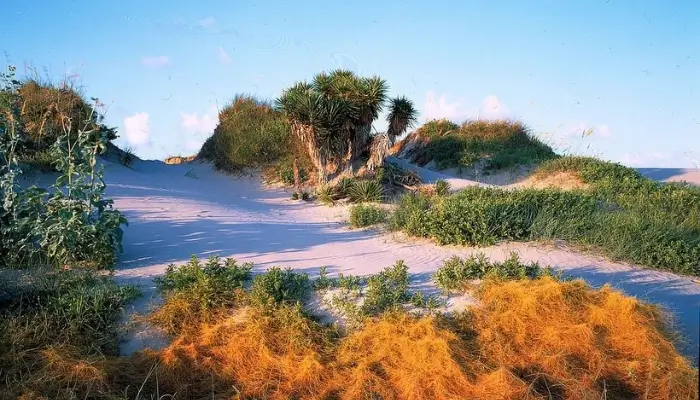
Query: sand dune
[[175, 211]]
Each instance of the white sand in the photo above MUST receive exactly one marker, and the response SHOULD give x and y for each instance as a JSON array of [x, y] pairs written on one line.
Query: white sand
[[175, 211]]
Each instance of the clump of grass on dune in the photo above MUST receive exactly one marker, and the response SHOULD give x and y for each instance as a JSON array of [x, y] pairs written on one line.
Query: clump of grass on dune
[[621, 214], [362, 215], [252, 134], [566, 340], [495, 144], [57, 329]]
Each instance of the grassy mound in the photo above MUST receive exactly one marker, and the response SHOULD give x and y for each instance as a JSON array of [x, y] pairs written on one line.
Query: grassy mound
[[486, 145], [47, 112], [252, 134], [620, 213]]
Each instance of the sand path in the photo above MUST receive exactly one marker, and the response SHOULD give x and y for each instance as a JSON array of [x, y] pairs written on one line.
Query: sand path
[[176, 211]]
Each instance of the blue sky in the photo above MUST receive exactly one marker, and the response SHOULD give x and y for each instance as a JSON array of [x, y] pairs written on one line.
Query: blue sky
[[628, 70]]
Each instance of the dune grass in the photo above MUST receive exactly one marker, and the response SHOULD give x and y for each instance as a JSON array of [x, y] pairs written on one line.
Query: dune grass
[[362, 215], [621, 214], [57, 329], [252, 134], [492, 144]]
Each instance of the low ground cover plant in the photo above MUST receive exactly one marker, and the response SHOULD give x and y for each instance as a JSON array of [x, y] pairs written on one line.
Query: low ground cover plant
[[362, 215], [631, 218]]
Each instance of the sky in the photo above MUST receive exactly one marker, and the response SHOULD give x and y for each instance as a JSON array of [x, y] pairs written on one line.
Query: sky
[[627, 73]]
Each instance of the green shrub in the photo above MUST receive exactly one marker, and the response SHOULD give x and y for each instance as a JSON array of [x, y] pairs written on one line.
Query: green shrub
[[442, 187], [366, 191], [387, 289], [212, 282], [73, 223], [365, 215], [278, 286], [251, 134], [456, 271], [410, 215]]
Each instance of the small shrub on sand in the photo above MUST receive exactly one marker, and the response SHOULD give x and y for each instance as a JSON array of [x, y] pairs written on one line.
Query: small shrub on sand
[[366, 191], [195, 290], [442, 187], [362, 215], [387, 289], [280, 286], [456, 271]]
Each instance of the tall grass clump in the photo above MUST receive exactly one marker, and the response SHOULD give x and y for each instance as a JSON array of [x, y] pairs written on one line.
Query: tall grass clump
[[362, 215], [630, 225], [252, 134], [491, 145], [41, 120]]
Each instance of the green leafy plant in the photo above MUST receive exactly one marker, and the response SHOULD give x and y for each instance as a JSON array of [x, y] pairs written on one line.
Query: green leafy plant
[[442, 187], [366, 191], [277, 286], [362, 215], [456, 271], [387, 289], [73, 223]]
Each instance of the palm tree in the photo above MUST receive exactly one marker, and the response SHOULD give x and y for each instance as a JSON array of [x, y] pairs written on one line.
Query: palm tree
[[333, 116], [402, 115]]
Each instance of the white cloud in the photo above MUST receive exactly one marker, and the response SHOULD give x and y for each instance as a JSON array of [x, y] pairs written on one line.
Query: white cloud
[[155, 62], [224, 57], [200, 123], [438, 108], [207, 22], [137, 129], [492, 109]]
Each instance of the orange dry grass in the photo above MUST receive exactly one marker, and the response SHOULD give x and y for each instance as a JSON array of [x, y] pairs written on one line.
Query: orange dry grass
[[540, 339], [58, 371], [258, 356], [561, 180], [577, 343], [404, 357]]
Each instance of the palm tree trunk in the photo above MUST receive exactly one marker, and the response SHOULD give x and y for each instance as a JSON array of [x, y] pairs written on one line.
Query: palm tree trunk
[[318, 158]]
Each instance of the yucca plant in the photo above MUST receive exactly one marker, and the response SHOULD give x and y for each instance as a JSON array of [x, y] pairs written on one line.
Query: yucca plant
[[333, 116], [366, 191]]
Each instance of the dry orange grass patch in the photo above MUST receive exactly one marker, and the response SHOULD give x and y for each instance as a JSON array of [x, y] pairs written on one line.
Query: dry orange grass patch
[[564, 180], [573, 342], [529, 339], [260, 354]]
